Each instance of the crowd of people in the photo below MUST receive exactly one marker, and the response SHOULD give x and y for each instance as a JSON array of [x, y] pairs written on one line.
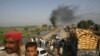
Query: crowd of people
[[58, 47], [65, 47]]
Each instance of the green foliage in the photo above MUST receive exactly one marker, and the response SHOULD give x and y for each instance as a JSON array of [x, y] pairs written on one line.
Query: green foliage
[[44, 25], [1, 37], [82, 24], [96, 27], [85, 24], [26, 29], [2, 30], [90, 22]]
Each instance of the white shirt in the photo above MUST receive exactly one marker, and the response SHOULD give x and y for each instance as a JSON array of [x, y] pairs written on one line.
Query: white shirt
[[3, 53]]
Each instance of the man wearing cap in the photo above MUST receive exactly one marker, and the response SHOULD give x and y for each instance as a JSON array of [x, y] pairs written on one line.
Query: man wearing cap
[[12, 44]]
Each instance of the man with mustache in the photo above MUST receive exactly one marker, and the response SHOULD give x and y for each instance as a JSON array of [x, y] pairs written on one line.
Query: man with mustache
[[12, 44]]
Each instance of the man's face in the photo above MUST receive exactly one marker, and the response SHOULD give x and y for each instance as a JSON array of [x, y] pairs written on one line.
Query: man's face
[[31, 51], [11, 46]]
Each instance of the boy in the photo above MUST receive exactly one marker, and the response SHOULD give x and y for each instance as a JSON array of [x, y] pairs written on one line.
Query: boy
[[31, 49]]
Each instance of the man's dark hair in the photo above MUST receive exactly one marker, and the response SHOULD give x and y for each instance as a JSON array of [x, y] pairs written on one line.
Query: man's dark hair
[[31, 44]]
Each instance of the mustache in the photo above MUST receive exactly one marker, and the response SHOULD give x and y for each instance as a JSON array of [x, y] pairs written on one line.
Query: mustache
[[6, 48]]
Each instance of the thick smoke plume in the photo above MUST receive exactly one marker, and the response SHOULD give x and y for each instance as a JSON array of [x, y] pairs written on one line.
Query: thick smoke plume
[[63, 14]]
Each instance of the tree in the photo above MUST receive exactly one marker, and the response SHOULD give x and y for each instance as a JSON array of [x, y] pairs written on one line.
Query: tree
[[82, 24], [96, 27], [90, 23], [85, 24], [44, 25], [26, 28]]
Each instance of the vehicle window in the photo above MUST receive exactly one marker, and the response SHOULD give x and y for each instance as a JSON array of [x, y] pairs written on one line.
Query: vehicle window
[[37, 52], [43, 51]]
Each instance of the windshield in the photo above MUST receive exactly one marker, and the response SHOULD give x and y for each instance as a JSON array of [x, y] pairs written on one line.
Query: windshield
[[43, 51]]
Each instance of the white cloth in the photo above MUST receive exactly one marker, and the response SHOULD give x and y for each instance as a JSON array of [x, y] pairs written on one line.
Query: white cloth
[[51, 48], [22, 50], [3, 53]]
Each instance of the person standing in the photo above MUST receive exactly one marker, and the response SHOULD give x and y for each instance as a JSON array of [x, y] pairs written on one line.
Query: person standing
[[72, 44], [31, 49], [12, 44]]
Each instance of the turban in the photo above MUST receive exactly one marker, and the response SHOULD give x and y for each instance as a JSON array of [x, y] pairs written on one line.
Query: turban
[[14, 35]]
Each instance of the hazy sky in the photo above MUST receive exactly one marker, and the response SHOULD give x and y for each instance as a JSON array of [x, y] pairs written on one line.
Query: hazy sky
[[36, 12]]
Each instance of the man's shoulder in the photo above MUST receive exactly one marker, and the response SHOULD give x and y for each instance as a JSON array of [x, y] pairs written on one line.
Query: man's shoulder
[[22, 50], [2, 52]]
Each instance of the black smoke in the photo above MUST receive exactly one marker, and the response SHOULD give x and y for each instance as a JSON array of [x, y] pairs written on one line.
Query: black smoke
[[63, 14]]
